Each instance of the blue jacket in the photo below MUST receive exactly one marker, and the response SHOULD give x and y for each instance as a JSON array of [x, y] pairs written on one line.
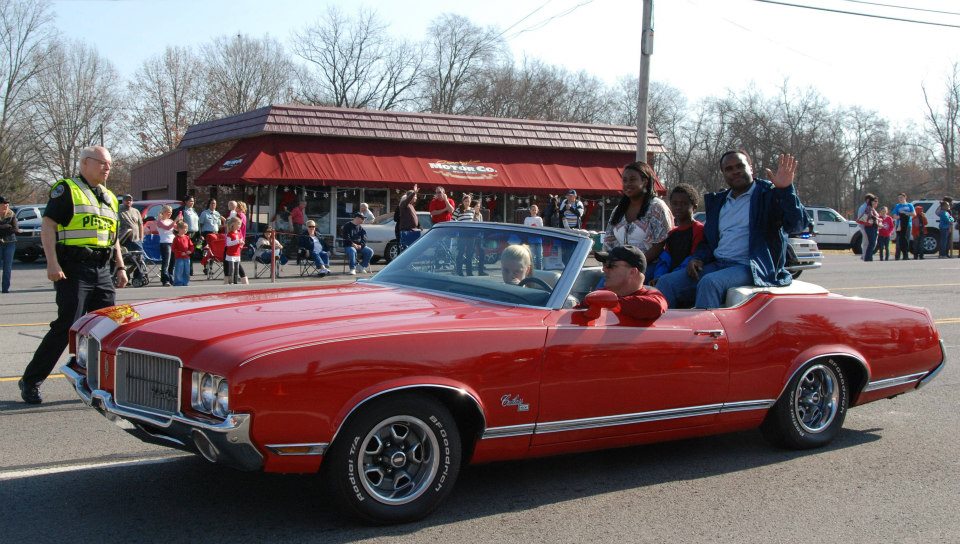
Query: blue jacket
[[774, 213]]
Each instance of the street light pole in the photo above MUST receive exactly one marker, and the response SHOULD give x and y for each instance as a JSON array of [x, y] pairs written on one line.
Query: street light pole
[[646, 50]]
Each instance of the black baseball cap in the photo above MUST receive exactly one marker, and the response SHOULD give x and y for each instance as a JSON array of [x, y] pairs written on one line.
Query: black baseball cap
[[3, 200], [358, 214], [628, 254]]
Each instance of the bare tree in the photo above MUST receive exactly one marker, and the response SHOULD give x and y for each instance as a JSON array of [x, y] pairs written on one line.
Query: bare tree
[[243, 73], [355, 63], [943, 126], [165, 98], [25, 29], [458, 51], [75, 104], [536, 90]]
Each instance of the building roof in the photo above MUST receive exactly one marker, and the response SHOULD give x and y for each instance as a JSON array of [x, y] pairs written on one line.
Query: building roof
[[298, 120]]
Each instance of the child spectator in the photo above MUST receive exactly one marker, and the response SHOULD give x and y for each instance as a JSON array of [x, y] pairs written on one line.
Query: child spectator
[[682, 239], [884, 234], [234, 243], [182, 251], [166, 227]]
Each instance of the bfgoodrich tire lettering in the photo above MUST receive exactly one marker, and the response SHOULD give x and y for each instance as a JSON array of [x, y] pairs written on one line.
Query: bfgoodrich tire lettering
[[811, 410], [395, 460]]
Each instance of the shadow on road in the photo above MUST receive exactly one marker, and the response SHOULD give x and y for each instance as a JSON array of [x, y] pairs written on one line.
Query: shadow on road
[[190, 500]]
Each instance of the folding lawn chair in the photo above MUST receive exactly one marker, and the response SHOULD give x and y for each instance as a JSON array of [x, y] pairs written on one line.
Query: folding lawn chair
[[151, 255], [213, 252]]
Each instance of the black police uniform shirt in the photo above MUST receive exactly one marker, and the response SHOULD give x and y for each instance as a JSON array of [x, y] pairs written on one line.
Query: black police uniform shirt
[[60, 206]]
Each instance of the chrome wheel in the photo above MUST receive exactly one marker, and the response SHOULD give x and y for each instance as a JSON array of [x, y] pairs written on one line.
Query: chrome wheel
[[398, 460], [817, 398]]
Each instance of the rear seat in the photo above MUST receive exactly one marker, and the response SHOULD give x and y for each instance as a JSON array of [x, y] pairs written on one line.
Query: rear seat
[[550, 277], [738, 295]]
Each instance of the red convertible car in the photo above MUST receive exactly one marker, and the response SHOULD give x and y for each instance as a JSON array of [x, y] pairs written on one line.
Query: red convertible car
[[386, 387]]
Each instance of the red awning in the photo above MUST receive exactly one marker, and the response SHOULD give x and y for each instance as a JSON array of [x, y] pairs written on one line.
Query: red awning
[[352, 162]]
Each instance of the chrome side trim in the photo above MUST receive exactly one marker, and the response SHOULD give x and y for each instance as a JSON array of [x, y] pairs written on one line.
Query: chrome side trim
[[318, 448], [509, 431], [893, 382], [625, 419], [933, 373], [747, 405]]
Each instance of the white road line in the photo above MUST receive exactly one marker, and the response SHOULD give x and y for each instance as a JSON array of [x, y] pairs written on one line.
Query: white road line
[[29, 473]]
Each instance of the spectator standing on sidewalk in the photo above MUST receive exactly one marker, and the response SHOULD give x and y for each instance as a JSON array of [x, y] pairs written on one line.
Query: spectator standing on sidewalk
[[869, 222], [884, 232], [903, 213], [919, 232], [863, 232], [8, 241], [946, 227], [182, 252]]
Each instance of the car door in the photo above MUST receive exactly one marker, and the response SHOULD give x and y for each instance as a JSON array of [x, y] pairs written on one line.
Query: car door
[[611, 379], [831, 227]]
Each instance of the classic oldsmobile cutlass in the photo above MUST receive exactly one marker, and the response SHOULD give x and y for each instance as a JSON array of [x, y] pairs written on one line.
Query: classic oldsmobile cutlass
[[386, 387]]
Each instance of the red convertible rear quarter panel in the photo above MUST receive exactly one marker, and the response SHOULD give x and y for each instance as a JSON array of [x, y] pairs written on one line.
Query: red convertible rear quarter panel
[[771, 336]]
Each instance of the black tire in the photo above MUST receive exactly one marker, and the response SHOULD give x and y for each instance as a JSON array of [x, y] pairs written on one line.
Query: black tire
[[391, 251], [930, 242], [811, 410], [411, 440], [856, 243], [29, 255]]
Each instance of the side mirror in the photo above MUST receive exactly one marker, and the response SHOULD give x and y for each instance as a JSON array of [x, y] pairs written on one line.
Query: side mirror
[[596, 302]]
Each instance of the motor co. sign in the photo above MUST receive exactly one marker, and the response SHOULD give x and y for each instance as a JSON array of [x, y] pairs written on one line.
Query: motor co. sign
[[463, 170]]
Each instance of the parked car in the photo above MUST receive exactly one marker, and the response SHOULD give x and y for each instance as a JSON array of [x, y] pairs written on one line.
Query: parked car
[[931, 241], [150, 209], [29, 220], [386, 387], [803, 252], [381, 236], [832, 229]]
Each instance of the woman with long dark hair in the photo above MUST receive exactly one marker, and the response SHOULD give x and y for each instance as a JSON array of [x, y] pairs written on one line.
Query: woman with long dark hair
[[641, 218]]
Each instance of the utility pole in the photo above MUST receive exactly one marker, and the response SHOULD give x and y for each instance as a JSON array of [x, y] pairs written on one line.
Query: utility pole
[[646, 50]]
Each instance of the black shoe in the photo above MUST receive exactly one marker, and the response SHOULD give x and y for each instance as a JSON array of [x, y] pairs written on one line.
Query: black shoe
[[30, 395]]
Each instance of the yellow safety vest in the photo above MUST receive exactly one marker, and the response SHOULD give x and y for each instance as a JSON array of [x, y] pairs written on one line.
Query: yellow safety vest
[[94, 223]]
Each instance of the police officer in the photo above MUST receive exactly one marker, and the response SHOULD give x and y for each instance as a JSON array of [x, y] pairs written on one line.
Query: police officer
[[79, 236]]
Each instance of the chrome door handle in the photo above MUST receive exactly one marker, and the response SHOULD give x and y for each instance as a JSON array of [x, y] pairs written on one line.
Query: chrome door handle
[[716, 333]]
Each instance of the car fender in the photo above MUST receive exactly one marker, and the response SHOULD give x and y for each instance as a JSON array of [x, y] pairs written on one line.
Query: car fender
[[847, 354], [409, 384]]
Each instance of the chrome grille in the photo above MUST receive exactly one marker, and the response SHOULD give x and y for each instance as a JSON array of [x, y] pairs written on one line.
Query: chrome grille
[[148, 381], [93, 363]]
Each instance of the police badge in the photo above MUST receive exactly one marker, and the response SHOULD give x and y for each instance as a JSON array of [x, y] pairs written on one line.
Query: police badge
[[57, 191]]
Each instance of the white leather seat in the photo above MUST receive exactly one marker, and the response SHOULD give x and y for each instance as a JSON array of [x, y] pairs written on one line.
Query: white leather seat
[[738, 295]]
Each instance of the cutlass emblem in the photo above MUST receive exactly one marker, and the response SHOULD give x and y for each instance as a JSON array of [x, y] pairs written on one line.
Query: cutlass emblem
[[514, 400]]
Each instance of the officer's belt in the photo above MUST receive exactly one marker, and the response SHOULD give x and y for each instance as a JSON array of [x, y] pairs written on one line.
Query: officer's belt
[[84, 255]]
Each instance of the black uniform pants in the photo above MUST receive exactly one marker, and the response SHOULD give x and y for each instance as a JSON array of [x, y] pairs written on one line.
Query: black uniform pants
[[87, 288]]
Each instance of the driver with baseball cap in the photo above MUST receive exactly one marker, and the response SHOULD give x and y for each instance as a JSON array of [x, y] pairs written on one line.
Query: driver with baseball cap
[[623, 272]]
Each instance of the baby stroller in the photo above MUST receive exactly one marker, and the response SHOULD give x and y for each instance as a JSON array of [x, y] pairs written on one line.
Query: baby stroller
[[133, 262]]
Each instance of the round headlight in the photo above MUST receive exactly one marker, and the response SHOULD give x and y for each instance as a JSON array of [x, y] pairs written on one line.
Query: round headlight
[[222, 406], [82, 350], [208, 392]]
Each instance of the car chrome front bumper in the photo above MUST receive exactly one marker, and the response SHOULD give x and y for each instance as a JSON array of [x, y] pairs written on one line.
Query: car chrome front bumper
[[227, 442]]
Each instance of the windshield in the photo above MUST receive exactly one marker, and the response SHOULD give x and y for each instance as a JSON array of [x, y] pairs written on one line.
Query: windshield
[[512, 265]]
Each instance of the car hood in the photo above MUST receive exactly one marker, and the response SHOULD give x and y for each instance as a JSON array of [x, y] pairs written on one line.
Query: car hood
[[226, 329]]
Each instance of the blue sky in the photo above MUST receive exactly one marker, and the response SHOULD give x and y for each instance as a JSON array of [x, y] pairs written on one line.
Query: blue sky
[[702, 47]]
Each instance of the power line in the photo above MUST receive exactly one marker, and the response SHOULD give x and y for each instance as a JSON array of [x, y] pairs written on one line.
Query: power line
[[858, 14], [902, 7], [548, 20]]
